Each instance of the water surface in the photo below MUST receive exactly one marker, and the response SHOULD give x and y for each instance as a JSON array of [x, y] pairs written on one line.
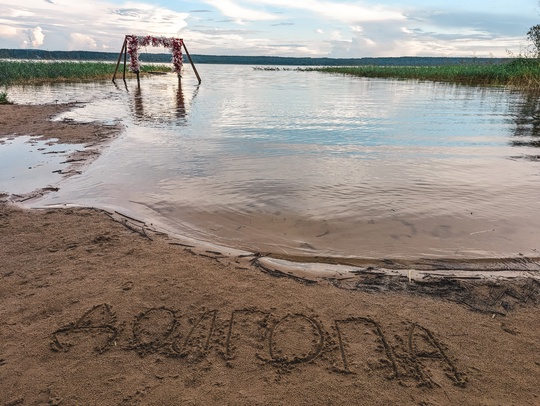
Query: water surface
[[310, 164], [30, 163]]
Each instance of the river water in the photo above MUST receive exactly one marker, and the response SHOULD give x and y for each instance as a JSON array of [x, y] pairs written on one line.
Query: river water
[[310, 164]]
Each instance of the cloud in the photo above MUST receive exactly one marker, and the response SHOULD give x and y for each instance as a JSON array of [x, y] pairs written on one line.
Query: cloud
[[7, 31], [35, 38], [340, 11], [95, 23], [421, 38], [80, 42], [444, 22], [336, 36], [374, 39], [356, 29], [148, 19], [127, 12], [221, 32], [281, 24], [239, 13], [340, 28], [226, 42], [21, 13]]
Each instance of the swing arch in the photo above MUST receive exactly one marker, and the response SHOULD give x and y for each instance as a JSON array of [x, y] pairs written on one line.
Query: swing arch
[[132, 43]]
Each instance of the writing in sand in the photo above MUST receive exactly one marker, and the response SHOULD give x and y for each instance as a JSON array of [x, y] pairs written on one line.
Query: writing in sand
[[349, 346]]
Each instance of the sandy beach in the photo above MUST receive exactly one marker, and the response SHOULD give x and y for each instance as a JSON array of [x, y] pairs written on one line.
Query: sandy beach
[[98, 309]]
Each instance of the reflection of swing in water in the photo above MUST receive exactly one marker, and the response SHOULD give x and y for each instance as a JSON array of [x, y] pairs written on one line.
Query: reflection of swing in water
[[180, 102], [138, 104], [180, 109], [132, 44]]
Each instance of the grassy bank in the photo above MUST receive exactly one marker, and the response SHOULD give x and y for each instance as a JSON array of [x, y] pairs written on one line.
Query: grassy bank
[[521, 73], [29, 72]]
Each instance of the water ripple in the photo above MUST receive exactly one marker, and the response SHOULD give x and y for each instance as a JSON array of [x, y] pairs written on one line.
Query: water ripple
[[349, 166]]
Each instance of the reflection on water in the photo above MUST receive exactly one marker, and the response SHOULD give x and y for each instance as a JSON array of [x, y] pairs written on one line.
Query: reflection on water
[[527, 123], [147, 109], [138, 104], [309, 164], [180, 103]]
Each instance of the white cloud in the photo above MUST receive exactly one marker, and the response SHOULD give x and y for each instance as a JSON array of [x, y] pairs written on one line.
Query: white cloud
[[80, 42], [227, 43], [336, 36], [7, 31], [35, 38], [240, 13], [94, 23], [341, 11], [18, 13], [38, 37], [340, 28], [147, 19]]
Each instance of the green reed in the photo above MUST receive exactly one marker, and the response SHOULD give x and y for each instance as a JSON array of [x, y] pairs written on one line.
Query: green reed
[[30, 72], [521, 73], [4, 98]]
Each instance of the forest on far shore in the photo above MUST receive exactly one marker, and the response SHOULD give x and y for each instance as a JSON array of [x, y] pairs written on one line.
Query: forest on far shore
[[38, 54]]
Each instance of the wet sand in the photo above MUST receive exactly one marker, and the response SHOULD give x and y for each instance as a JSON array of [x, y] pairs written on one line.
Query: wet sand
[[99, 309]]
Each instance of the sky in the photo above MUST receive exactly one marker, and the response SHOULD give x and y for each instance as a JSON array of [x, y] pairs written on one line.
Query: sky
[[312, 28]]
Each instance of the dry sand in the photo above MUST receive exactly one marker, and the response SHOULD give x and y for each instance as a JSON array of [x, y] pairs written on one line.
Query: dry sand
[[96, 311]]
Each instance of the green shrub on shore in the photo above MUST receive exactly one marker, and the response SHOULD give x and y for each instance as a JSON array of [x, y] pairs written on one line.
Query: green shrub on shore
[[522, 73], [31, 72]]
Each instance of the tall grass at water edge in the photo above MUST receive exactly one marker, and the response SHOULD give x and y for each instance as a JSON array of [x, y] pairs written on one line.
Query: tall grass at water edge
[[30, 72], [521, 73]]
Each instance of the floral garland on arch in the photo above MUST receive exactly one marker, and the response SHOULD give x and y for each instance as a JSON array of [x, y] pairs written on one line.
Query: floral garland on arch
[[134, 42]]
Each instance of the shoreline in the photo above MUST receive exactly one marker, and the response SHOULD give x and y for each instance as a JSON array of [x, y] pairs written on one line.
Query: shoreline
[[98, 310], [36, 121]]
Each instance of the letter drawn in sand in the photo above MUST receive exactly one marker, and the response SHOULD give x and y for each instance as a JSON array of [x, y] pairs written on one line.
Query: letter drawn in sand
[[361, 340], [296, 339], [152, 330], [198, 339], [431, 362], [97, 325], [247, 333]]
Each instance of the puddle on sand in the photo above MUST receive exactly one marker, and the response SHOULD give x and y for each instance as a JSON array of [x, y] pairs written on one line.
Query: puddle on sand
[[30, 163]]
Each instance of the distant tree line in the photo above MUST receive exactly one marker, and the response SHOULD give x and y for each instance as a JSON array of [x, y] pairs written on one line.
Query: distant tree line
[[38, 54]]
